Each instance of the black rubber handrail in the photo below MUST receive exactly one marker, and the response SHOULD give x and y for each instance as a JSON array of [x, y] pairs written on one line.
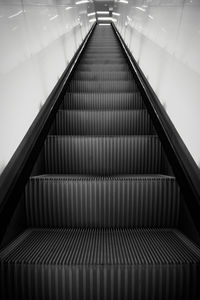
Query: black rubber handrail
[[184, 166], [17, 172]]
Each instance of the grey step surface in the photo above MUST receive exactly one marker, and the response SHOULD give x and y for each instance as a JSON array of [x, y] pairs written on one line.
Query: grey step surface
[[102, 202], [103, 122], [103, 60], [103, 156], [108, 50], [104, 67], [100, 264], [103, 76], [102, 55], [102, 86], [109, 101]]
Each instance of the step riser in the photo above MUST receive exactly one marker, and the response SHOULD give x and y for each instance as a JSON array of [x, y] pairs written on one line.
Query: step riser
[[109, 203], [103, 101], [100, 282], [103, 123], [103, 156], [101, 86]]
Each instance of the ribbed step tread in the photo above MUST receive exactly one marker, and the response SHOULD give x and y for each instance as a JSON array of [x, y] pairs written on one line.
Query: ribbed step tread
[[124, 201], [103, 101], [78, 122], [103, 155], [108, 50], [101, 246], [103, 67], [103, 45], [100, 264], [103, 76], [105, 60], [102, 55], [102, 86]]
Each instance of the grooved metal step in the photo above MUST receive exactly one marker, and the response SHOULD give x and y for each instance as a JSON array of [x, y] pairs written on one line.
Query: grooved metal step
[[110, 101], [102, 55], [104, 67], [103, 156], [78, 122], [100, 264], [103, 60], [102, 202], [102, 86], [111, 76], [105, 50]]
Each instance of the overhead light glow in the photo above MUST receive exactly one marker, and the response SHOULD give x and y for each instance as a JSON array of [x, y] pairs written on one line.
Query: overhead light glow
[[151, 17], [123, 1], [67, 8], [53, 18], [107, 19], [15, 15], [116, 14], [102, 12], [104, 24], [91, 14], [129, 19], [82, 2], [92, 20], [140, 8]]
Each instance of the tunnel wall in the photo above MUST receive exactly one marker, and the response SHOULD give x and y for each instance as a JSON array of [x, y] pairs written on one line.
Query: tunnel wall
[[37, 41], [164, 38]]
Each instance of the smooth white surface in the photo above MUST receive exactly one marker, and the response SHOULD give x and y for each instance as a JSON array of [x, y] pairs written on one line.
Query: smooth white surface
[[37, 40], [164, 37]]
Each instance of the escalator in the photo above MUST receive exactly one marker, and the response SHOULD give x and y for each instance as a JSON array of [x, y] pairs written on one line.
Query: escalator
[[103, 217]]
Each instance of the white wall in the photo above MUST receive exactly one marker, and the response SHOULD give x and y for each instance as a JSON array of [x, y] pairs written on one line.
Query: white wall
[[164, 37], [37, 40]]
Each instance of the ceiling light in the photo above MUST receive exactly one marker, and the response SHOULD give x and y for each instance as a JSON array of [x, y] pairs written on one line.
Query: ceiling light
[[92, 20], [91, 14], [151, 17], [104, 24], [53, 18], [67, 8], [123, 1], [116, 14], [107, 19], [102, 12], [140, 8], [15, 15], [81, 2]]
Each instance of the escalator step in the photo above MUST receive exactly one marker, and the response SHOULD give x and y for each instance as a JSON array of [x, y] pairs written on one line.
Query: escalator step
[[103, 156], [103, 76], [106, 50], [110, 264], [104, 60], [102, 55], [110, 101], [102, 86], [78, 122], [102, 202], [104, 67]]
